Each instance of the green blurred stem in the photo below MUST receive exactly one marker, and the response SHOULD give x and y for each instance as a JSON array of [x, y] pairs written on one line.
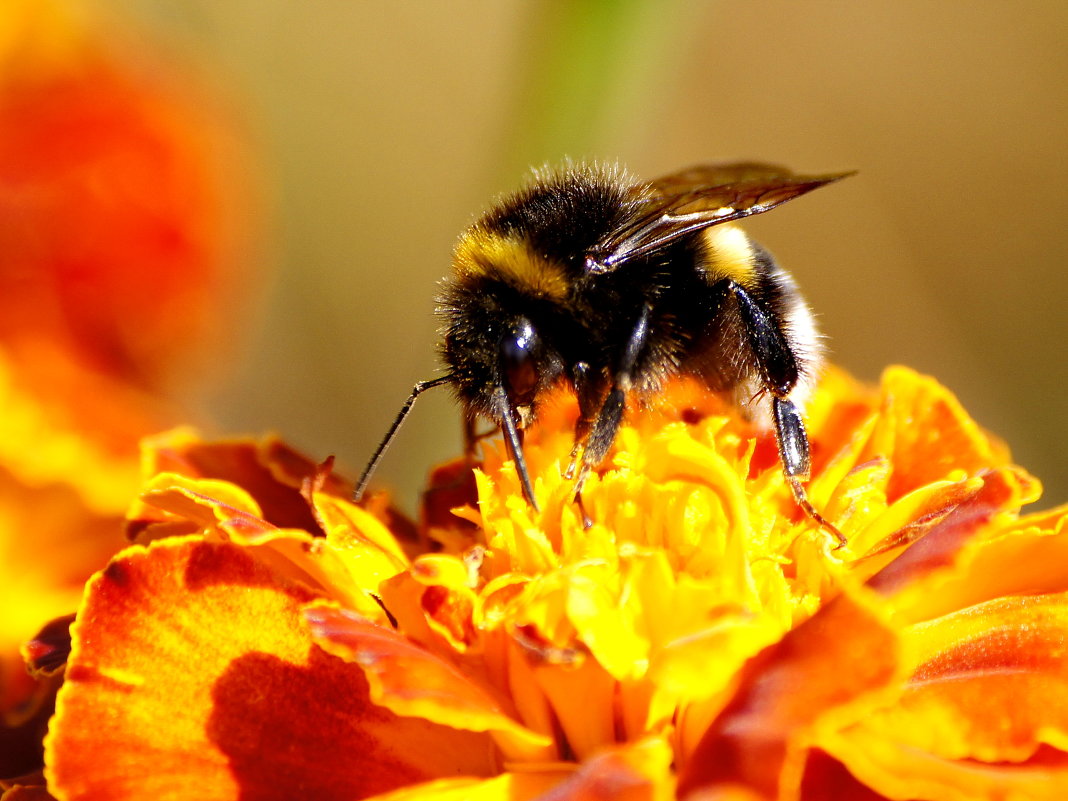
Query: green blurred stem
[[589, 76]]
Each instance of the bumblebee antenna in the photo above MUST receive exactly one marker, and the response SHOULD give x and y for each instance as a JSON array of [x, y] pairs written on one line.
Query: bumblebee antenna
[[417, 390]]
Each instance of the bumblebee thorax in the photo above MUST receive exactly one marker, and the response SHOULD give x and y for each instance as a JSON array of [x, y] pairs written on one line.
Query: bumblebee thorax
[[483, 255]]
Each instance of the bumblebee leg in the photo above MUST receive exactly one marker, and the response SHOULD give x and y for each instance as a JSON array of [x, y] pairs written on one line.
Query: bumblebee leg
[[587, 394], [776, 362], [513, 441], [793, 450], [602, 434], [779, 373], [605, 427], [792, 438]]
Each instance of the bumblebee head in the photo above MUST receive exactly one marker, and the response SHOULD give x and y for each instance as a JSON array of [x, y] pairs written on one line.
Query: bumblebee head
[[521, 353], [500, 348]]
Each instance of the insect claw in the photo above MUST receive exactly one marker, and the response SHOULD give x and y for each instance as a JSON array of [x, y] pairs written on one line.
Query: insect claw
[[802, 500]]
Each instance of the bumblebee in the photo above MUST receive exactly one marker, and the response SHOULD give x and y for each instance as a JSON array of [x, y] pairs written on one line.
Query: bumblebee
[[611, 286]]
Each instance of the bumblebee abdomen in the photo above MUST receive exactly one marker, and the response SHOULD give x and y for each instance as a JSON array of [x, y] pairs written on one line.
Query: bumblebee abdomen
[[727, 252], [763, 335]]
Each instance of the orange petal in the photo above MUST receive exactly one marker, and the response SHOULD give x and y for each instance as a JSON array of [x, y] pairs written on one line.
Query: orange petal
[[88, 466], [635, 772], [409, 680], [897, 770], [586, 724], [982, 715], [838, 409], [991, 681], [207, 655], [50, 543], [124, 201], [842, 653], [925, 431]]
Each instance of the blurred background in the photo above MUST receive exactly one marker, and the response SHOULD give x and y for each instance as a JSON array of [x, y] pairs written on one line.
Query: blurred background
[[379, 130]]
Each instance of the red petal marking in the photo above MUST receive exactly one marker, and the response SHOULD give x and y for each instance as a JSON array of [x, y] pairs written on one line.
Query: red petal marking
[[408, 679], [827, 779], [999, 672], [269, 471], [1001, 492]]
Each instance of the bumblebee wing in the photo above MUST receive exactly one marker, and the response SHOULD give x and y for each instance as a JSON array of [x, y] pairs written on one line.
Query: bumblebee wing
[[698, 197]]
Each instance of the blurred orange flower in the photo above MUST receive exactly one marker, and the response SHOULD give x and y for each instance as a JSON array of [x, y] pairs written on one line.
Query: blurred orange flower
[[120, 245], [266, 638]]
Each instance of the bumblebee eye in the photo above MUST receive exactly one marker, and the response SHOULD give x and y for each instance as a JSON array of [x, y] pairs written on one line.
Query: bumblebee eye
[[519, 350]]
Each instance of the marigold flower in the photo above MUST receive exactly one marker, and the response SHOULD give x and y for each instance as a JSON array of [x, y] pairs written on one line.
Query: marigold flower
[[703, 639]]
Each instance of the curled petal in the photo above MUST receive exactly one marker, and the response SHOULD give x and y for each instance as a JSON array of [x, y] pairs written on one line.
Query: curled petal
[[270, 473], [409, 680], [213, 506], [1024, 557], [48, 651], [446, 599], [1003, 491], [896, 770]]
